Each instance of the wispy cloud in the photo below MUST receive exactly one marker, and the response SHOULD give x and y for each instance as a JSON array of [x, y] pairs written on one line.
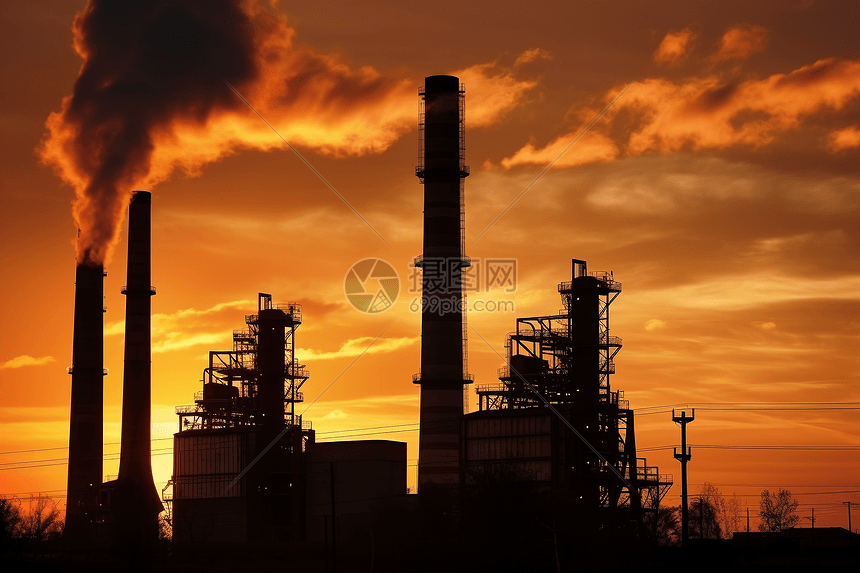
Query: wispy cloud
[[493, 91], [189, 327], [674, 47], [357, 346], [707, 113], [531, 55], [843, 139], [26, 360], [178, 341], [740, 42]]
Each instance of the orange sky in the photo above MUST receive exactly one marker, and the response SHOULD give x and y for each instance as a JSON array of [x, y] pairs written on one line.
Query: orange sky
[[723, 189]]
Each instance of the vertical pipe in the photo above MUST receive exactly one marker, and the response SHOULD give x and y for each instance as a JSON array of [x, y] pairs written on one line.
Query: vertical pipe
[[442, 374], [87, 395]]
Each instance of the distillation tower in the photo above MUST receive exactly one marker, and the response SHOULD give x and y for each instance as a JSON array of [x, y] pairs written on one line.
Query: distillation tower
[[239, 454], [568, 359]]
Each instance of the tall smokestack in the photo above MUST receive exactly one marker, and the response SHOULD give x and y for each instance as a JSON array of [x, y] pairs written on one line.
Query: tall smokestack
[[441, 169], [85, 426], [139, 503]]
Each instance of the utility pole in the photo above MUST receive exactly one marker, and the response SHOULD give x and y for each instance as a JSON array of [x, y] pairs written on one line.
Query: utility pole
[[812, 519], [748, 520], [848, 503], [684, 457]]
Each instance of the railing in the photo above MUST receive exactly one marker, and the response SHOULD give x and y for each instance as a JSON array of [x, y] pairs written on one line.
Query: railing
[[187, 409], [71, 370], [468, 378], [295, 370], [124, 290], [486, 388], [602, 276], [291, 308], [607, 340]]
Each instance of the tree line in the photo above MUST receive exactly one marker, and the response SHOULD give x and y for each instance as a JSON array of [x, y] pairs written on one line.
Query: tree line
[[29, 525], [714, 516]]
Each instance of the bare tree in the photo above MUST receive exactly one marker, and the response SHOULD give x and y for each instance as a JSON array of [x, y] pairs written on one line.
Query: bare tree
[[704, 519], [165, 527], [41, 522], [731, 518], [777, 511], [726, 511], [665, 525], [10, 516]]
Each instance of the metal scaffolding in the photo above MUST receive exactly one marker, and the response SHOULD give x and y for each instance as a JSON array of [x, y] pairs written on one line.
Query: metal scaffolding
[[568, 358], [230, 397]]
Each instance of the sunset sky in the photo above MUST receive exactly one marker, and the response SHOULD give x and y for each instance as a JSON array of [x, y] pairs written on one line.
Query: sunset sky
[[722, 188]]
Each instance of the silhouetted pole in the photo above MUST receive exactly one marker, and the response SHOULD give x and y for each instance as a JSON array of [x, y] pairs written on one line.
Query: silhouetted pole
[[748, 520], [333, 524], [684, 457], [848, 503], [812, 519]]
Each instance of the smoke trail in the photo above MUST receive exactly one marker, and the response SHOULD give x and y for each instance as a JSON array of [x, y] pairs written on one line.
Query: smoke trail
[[152, 97], [146, 64]]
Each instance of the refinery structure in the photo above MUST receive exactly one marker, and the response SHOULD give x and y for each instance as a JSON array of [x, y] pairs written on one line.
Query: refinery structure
[[247, 467]]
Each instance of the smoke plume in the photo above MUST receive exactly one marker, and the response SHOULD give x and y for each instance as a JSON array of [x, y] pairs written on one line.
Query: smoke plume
[[146, 65], [152, 97]]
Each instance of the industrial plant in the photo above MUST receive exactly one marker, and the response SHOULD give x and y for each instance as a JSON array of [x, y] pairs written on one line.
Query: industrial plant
[[246, 464], [119, 513]]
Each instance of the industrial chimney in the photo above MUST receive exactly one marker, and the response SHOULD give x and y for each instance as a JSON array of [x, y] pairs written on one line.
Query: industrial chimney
[[86, 412], [136, 502], [441, 168]]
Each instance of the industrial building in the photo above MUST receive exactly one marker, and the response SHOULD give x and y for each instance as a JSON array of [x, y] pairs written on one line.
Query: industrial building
[[246, 466], [553, 418], [239, 454]]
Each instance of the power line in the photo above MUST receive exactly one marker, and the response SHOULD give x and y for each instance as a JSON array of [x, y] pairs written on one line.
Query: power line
[[802, 448], [639, 411]]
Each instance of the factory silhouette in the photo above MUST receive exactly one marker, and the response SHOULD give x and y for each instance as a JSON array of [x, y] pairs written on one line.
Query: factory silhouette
[[549, 455]]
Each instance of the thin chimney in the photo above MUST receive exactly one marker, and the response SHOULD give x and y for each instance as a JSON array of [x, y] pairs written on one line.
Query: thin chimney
[[140, 501], [86, 412]]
